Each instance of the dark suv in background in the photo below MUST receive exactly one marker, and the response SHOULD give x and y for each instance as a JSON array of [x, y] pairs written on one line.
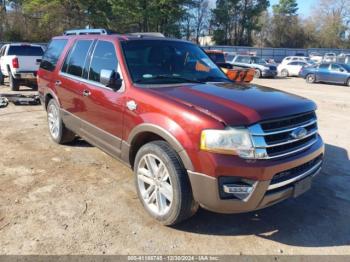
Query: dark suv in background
[[192, 136]]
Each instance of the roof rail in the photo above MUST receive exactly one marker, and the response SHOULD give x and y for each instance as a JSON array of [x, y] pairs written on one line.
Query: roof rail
[[154, 34], [99, 31]]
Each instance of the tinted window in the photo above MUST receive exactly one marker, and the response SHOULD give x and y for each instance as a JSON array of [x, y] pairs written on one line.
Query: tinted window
[[217, 57], [294, 63], [324, 66], [25, 50], [52, 54], [75, 61], [335, 67], [104, 57]]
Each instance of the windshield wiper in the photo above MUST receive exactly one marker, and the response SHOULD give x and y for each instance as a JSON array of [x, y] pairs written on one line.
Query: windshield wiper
[[215, 79], [157, 77]]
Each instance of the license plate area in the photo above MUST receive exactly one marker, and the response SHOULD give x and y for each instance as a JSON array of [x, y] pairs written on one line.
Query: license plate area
[[302, 186], [27, 75]]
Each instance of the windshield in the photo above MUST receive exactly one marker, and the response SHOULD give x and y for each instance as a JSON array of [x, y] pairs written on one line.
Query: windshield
[[257, 60], [169, 62]]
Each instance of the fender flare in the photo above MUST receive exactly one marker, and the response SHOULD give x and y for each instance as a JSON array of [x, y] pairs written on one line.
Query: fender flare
[[166, 135]]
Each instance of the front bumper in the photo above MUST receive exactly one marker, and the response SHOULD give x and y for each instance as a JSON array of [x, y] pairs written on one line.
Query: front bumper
[[269, 73], [207, 190]]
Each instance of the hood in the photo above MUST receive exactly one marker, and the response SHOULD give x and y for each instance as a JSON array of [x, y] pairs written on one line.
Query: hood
[[237, 104]]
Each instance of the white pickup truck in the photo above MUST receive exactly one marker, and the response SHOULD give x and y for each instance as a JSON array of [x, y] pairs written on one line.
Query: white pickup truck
[[20, 63]]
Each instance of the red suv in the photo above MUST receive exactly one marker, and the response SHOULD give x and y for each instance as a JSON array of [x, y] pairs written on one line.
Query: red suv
[[192, 136]]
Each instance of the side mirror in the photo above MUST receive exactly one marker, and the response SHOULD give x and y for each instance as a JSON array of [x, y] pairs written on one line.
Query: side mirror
[[111, 79]]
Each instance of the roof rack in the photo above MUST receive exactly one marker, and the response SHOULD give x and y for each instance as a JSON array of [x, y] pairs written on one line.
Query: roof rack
[[154, 34], [99, 31]]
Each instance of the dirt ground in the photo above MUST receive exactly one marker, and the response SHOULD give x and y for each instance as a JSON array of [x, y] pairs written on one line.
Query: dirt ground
[[75, 199]]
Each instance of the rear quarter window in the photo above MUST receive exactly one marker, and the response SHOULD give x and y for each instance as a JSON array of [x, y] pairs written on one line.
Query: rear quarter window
[[24, 50], [52, 54]]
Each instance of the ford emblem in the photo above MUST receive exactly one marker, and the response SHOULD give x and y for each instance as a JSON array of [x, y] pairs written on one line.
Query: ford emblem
[[298, 133]]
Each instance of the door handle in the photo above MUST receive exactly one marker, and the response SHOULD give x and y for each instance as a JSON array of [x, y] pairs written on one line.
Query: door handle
[[58, 83], [86, 93]]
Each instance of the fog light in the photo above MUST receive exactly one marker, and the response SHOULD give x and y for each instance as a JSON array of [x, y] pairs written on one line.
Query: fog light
[[240, 191]]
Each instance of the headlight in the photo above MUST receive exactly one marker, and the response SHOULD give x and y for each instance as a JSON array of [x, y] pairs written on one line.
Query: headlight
[[231, 141]]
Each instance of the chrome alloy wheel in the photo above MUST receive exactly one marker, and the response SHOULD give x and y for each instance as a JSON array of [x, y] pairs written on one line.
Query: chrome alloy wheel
[[154, 184], [54, 121]]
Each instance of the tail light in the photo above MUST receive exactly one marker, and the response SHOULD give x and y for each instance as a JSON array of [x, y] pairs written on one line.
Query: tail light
[[15, 63]]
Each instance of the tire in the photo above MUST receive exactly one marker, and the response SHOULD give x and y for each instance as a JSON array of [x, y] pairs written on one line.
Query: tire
[[311, 78], [1, 79], [14, 83], [348, 82], [167, 197], [257, 73], [58, 132], [284, 73]]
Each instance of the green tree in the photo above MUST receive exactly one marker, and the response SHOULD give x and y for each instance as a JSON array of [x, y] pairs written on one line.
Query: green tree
[[286, 28], [234, 21]]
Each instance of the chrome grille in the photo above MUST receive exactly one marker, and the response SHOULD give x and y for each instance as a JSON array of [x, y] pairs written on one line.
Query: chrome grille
[[273, 139]]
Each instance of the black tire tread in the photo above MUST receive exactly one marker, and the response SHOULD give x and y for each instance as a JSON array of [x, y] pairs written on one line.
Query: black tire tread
[[14, 83]]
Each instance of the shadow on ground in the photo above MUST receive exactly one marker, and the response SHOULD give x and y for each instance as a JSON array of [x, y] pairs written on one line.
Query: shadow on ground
[[321, 217]]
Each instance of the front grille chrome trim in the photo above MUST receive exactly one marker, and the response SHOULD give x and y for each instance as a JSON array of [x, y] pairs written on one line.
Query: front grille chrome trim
[[316, 167], [262, 144], [288, 153], [256, 130]]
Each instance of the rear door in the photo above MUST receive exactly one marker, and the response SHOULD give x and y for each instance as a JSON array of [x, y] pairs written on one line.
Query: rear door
[[105, 106], [69, 84]]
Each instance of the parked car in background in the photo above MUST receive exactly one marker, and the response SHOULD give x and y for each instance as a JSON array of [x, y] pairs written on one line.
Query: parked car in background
[[289, 59], [316, 57], [20, 63], [234, 73], [192, 137], [262, 68], [330, 58], [343, 59], [291, 69], [327, 73]]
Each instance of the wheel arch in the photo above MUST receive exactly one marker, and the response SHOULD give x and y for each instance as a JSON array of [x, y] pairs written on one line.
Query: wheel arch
[[146, 133]]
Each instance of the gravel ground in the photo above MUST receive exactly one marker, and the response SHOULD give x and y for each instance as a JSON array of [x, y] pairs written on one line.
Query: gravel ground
[[75, 199]]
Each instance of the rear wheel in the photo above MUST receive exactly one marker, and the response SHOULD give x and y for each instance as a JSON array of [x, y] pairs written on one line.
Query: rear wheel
[[1, 79], [59, 133], [348, 82], [311, 78], [14, 83], [162, 183], [284, 73]]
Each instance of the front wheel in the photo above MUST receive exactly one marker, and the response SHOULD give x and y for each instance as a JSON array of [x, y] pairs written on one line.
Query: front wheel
[[257, 73], [348, 82], [162, 183], [311, 78], [284, 73]]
